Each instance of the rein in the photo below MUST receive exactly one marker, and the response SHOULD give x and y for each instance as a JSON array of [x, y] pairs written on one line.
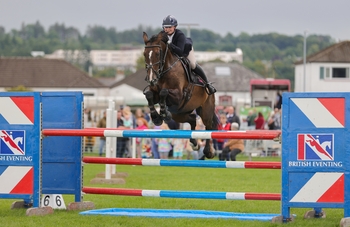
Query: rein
[[160, 72]]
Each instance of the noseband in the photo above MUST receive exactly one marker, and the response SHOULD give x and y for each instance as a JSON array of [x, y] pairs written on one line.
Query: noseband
[[160, 71]]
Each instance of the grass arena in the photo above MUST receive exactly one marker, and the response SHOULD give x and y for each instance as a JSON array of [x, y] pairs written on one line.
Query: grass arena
[[218, 186]]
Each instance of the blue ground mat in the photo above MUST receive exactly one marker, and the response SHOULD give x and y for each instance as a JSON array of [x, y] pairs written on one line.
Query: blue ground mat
[[169, 213]]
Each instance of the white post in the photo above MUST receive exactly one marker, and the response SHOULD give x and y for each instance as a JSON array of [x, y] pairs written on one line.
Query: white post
[[304, 61], [134, 148], [109, 147], [114, 139]]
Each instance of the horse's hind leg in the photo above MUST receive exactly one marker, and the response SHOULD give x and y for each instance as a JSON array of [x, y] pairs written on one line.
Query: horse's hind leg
[[192, 120], [210, 120], [164, 113], [156, 118]]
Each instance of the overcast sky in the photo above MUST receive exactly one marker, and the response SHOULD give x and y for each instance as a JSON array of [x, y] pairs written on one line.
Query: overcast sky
[[290, 17]]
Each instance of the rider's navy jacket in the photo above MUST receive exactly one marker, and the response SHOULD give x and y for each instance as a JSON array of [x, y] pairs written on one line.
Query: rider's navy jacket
[[180, 44]]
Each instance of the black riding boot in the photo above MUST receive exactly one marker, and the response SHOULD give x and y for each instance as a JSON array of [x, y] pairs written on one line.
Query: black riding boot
[[209, 87]]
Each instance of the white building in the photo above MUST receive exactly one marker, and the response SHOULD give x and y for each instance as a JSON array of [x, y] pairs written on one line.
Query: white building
[[127, 59], [205, 56], [325, 71]]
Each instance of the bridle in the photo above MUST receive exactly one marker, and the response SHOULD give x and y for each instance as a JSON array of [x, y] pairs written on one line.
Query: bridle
[[160, 71]]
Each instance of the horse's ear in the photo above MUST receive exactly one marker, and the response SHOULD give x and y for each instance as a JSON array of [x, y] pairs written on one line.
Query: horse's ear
[[145, 37]]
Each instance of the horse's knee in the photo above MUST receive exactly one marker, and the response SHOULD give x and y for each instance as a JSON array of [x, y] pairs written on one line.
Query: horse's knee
[[164, 92], [149, 95]]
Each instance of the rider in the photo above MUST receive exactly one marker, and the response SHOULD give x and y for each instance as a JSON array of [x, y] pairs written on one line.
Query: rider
[[177, 41]]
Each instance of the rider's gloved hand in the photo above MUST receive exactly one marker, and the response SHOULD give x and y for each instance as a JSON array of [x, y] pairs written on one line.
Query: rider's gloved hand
[[172, 46]]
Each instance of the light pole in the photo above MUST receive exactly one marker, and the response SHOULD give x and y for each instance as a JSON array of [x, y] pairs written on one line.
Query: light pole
[[188, 28], [304, 61]]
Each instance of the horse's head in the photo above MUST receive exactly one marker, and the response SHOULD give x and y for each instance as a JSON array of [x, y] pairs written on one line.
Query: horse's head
[[155, 54]]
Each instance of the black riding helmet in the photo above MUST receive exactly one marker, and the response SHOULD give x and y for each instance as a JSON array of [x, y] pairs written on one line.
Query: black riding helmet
[[169, 21]]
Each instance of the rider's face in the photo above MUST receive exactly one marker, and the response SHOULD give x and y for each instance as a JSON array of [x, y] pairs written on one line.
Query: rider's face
[[169, 30]]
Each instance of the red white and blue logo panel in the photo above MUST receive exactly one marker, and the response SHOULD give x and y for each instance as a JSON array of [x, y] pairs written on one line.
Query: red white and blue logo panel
[[315, 147], [317, 113], [12, 142], [319, 187], [19, 179], [19, 110]]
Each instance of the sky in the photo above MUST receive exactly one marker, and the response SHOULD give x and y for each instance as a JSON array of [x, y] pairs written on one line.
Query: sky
[[289, 17]]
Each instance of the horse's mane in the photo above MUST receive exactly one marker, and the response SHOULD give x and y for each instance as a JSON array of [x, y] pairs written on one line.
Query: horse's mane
[[154, 38]]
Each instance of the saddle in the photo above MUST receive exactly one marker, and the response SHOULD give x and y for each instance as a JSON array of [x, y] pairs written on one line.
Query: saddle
[[191, 76], [193, 79]]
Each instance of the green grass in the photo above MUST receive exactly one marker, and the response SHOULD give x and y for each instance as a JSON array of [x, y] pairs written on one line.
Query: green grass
[[174, 178]]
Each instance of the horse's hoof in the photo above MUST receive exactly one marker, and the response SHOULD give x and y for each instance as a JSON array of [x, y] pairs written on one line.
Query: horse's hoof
[[168, 117], [157, 122], [195, 148], [209, 155]]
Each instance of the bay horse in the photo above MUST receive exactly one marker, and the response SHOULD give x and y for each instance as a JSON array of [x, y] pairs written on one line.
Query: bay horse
[[169, 86]]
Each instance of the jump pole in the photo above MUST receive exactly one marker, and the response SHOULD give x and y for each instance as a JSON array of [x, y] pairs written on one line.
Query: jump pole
[[183, 194], [184, 163], [151, 133]]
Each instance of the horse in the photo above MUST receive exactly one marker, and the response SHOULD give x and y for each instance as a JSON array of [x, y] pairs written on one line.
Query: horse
[[179, 98]]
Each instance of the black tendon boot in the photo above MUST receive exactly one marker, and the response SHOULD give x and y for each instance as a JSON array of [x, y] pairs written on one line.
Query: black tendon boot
[[210, 89]]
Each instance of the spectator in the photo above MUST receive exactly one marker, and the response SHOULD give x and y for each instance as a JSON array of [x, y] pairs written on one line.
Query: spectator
[[251, 119], [89, 141], [127, 117], [270, 121], [224, 125], [147, 114], [259, 121], [138, 113], [121, 141], [102, 124], [277, 118], [232, 116], [278, 101], [233, 146], [178, 147], [154, 144], [164, 145], [143, 145], [190, 153], [274, 121], [173, 125]]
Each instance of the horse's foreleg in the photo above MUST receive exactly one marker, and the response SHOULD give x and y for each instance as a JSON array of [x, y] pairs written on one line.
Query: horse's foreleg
[[164, 113], [156, 118]]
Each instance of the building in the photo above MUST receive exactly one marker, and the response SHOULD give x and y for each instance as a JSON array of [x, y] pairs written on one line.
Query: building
[[40, 74], [325, 71], [206, 56], [232, 81], [127, 59]]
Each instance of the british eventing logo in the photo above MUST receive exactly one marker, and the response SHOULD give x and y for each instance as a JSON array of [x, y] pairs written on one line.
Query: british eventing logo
[[316, 147], [12, 142]]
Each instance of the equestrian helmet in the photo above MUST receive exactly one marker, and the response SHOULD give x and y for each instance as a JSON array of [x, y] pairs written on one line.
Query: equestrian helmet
[[169, 21]]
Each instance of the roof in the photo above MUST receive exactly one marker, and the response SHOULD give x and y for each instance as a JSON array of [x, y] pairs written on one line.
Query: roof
[[230, 76], [41, 72], [339, 52], [271, 83], [136, 80], [236, 78]]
